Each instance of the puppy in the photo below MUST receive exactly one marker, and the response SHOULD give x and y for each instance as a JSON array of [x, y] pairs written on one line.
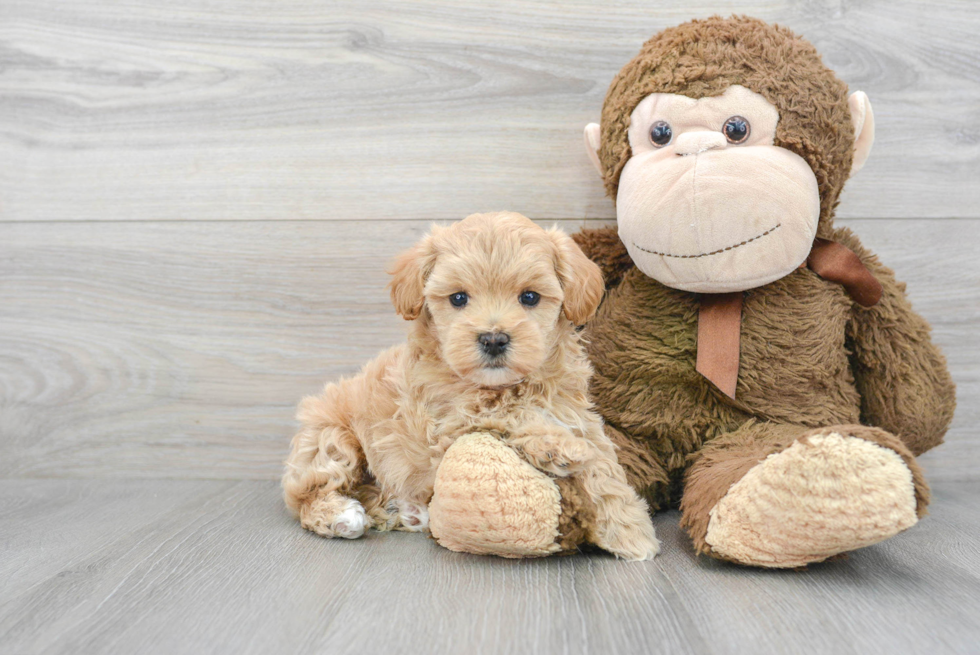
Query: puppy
[[494, 301]]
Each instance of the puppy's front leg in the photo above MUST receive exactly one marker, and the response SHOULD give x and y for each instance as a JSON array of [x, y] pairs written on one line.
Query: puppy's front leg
[[552, 448], [623, 526]]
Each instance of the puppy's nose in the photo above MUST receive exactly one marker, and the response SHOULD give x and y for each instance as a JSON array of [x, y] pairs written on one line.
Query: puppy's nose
[[494, 343]]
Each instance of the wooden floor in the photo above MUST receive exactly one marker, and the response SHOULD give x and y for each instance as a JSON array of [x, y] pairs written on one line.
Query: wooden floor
[[169, 566], [197, 204]]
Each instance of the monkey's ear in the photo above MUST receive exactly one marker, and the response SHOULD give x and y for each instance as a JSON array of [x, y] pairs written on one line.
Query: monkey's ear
[[409, 272], [864, 128], [592, 143], [580, 277]]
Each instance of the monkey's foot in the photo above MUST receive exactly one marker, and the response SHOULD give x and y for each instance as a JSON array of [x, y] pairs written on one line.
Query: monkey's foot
[[826, 494]]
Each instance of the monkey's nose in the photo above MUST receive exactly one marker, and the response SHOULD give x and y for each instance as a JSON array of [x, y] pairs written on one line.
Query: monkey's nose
[[494, 343], [693, 143]]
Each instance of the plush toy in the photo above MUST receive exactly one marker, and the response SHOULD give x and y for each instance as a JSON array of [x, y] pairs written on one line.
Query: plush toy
[[753, 363], [490, 501]]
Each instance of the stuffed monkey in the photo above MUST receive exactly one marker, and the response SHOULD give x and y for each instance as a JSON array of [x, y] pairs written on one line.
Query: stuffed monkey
[[756, 364]]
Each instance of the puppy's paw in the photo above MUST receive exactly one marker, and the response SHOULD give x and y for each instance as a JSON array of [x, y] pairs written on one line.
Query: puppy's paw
[[335, 516], [412, 517], [560, 456], [350, 523], [635, 542]]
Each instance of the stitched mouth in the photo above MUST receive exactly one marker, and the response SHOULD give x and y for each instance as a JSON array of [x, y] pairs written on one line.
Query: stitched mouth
[[713, 252]]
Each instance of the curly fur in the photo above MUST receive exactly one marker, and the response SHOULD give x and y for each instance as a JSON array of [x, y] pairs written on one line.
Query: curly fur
[[378, 437]]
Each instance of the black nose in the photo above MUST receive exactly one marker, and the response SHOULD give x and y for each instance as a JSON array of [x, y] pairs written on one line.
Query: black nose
[[494, 343]]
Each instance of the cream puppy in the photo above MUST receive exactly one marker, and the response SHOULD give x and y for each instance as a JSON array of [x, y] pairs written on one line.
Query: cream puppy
[[494, 301]]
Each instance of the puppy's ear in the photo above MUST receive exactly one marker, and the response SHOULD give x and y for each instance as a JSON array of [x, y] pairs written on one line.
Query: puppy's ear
[[409, 272], [581, 279]]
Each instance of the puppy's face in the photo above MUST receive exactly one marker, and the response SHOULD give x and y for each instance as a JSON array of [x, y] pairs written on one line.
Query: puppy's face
[[494, 288]]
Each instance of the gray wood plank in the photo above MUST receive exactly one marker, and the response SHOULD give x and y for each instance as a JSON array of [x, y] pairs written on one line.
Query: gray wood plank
[[181, 349], [222, 568], [916, 593], [56, 529], [343, 110], [234, 574]]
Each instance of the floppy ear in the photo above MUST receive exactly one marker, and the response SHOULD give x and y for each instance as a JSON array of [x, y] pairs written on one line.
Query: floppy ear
[[409, 272], [581, 279]]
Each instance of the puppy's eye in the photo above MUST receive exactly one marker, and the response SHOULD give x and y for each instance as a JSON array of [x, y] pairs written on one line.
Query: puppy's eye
[[660, 133], [530, 298], [736, 129], [458, 299]]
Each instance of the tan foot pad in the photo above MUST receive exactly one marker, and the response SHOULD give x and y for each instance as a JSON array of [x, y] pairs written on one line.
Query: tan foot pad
[[489, 501], [824, 495]]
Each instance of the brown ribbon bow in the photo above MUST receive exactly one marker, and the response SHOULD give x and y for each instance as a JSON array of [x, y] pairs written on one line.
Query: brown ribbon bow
[[720, 315]]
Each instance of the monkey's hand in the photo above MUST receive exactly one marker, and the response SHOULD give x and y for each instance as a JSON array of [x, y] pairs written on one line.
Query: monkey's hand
[[901, 375]]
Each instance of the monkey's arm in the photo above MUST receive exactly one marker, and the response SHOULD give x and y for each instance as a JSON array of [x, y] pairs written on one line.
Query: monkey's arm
[[901, 375], [603, 246]]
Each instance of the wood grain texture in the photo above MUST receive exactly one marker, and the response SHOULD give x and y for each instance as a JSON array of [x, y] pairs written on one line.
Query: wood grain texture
[[914, 593], [292, 109], [160, 319], [205, 566], [180, 349]]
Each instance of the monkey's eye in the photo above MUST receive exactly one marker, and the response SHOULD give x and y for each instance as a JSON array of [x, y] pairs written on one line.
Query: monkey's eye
[[530, 298], [736, 129], [660, 133], [458, 299]]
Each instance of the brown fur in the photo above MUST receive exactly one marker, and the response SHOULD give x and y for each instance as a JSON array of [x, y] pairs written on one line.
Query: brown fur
[[724, 461], [810, 356], [644, 471], [578, 514], [379, 437], [832, 362], [900, 375], [702, 58]]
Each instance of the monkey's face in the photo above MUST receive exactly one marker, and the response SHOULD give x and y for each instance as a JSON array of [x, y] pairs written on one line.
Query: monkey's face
[[707, 203]]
